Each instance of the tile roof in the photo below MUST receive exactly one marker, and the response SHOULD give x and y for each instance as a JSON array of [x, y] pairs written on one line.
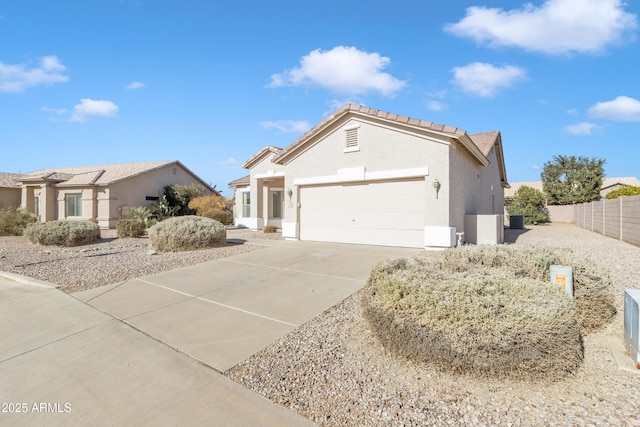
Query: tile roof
[[8, 180], [240, 182], [95, 175], [261, 155], [485, 141]]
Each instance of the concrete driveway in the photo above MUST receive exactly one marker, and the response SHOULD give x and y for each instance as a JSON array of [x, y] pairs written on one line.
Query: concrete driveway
[[223, 311], [113, 360]]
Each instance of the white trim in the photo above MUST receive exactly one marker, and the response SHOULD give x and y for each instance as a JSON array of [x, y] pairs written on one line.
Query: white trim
[[290, 230], [269, 174], [351, 126], [360, 174], [439, 237], [351, 149]]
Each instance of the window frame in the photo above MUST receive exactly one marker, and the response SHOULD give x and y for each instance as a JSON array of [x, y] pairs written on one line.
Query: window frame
[[77, 205]]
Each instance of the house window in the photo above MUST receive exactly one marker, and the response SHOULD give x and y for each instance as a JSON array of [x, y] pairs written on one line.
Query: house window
[[276, 198], [36, 206], [74, 204], [246, 204], [351, 138]]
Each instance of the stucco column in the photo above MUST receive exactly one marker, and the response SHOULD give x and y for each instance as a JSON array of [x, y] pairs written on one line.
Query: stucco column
[[47, 203], [27, 198]]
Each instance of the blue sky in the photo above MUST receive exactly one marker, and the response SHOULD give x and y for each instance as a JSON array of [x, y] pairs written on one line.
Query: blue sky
[[209, 84]]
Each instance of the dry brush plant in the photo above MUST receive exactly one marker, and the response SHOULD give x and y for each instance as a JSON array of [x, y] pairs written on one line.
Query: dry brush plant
[[187, 233], [63, 233], [482, 311]]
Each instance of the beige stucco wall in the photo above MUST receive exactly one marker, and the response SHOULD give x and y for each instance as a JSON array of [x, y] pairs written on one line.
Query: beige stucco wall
[[132, 192], [9, 197], [381, 148]]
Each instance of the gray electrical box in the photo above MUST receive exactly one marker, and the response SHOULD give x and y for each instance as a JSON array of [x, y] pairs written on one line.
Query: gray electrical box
[[562, 275], [632, 324]]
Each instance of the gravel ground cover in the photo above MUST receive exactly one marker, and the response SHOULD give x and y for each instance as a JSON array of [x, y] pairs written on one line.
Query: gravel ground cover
[[110, 259], [334, 372]]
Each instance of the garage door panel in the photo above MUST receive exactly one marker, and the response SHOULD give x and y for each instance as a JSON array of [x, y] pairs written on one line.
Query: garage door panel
[[381, 213]]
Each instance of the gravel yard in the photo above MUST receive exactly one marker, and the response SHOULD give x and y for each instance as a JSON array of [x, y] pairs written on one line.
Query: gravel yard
[[109, 260], [333, 371]]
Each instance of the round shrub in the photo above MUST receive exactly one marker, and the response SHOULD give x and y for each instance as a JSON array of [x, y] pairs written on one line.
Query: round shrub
[[131, 228], [186, 233], [63, 233], [487, 311], [223, 217]]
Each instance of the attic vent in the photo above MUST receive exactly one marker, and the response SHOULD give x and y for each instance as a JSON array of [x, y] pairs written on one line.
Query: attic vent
[[351, 138]]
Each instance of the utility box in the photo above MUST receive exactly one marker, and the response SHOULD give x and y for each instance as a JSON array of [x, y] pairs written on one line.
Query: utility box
[[516, 222], [632, 324], [484, 229], [562, 275]]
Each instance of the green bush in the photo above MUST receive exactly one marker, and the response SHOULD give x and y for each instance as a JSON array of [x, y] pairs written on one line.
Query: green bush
[[270, 229], [131, 228], [63, 233], [141, 213], [488, 311], [222, 217], [14, 221], [179, 196], [529, 202], [187, 233], [629, 190]]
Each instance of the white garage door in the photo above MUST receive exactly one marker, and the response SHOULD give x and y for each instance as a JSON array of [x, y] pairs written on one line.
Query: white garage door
[[375, 213]]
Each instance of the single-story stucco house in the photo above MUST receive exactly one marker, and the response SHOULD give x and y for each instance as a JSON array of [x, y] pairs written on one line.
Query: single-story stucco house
[[104, 194], [9, 190], [370, 177]]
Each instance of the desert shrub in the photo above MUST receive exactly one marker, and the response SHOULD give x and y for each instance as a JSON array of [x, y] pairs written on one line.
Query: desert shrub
[[141, 213], [131, 228], [270, 229], [529, 202], [629, 190], [14, 221], [63, 233], [487, 311], [204, 204], [186, 233], [222, 217], [179, 196], [161, 210], [592, 284]]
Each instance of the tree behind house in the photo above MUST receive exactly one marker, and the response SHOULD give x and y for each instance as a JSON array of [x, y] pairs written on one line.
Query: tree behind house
[[569, 179]]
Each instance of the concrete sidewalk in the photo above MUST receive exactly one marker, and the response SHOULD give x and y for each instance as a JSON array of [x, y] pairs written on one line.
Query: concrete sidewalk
[[63, 363], [142, 355]]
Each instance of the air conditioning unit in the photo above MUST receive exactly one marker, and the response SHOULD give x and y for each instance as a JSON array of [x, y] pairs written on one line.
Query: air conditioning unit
[[632, 324]]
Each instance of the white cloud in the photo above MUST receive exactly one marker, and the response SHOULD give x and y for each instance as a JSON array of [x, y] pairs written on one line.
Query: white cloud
[[621, 109], [343, 70], [91, 107], [58, 111], [136, 85], [583, 128], [555, 27], [292, 126], [229, 164], [436, 106], [485, 79], [17, 78]]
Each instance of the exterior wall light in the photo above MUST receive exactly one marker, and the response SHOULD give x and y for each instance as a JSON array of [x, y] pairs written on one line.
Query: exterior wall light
[[290, 194], [437, 185]]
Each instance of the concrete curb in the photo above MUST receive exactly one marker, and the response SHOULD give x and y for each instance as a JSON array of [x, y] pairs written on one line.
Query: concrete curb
[[29, 281]]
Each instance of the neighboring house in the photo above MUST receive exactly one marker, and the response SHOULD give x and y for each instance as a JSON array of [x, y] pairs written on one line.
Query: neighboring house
[[370, 177], [9, 190], [104, 194], [608, 185]]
